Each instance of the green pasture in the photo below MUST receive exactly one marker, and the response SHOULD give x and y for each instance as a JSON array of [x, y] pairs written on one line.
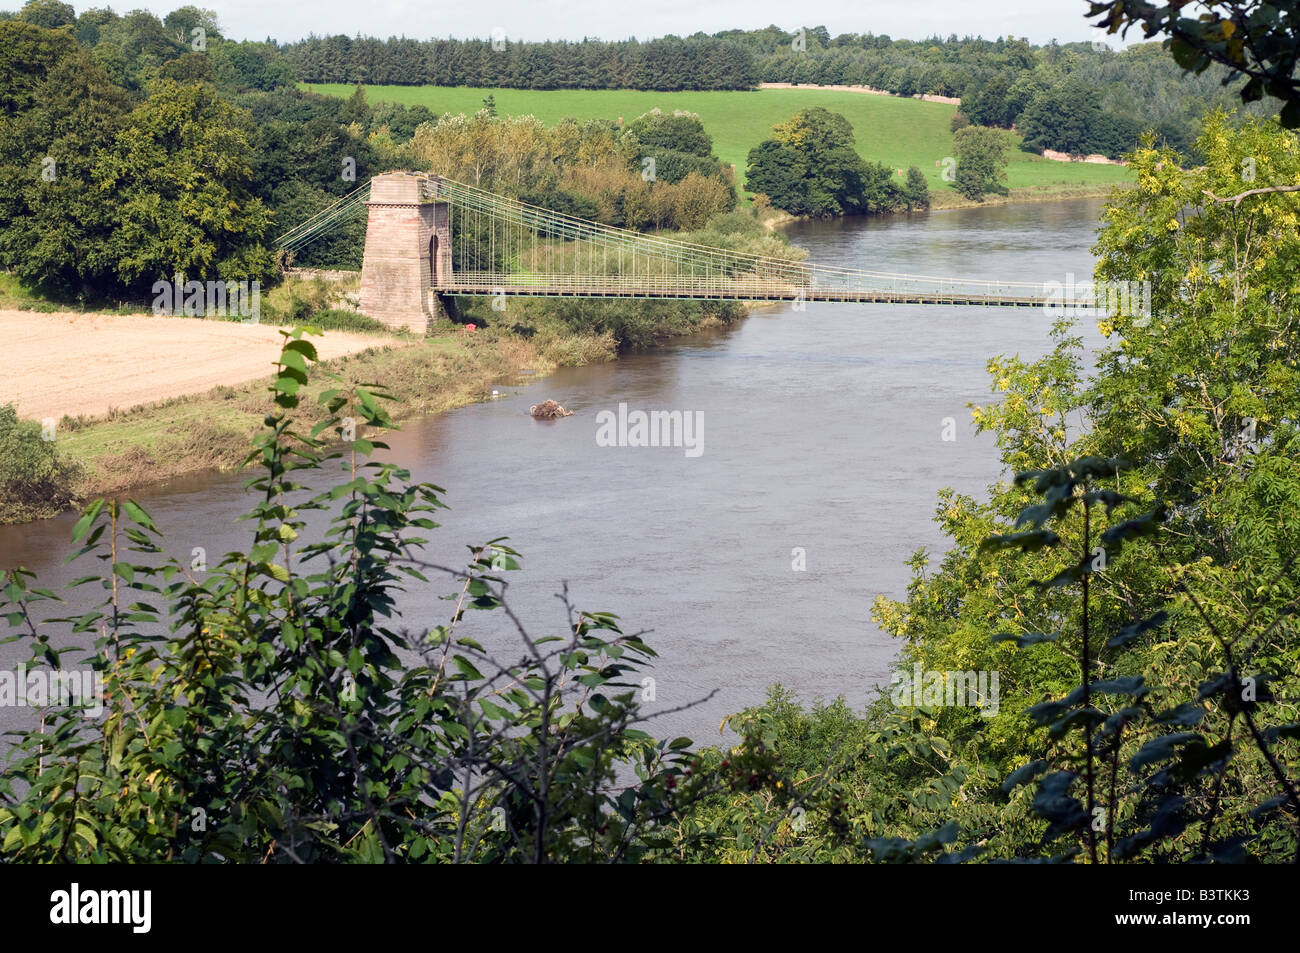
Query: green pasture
[[898, 132]]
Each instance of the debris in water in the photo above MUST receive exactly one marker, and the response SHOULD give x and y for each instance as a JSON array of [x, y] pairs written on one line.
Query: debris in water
[[549, 410]]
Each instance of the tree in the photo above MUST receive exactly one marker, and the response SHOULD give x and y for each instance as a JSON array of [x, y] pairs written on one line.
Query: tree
[[27, 54], [1068, 117], [990, 106], [178, 175], [916, 193], [811, 167], [53, 222], [49, 14], [183, 21], [678, 131], [981, 161], [777, 171]]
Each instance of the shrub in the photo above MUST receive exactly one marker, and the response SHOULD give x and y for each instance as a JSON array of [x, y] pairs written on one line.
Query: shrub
[[34, 480]]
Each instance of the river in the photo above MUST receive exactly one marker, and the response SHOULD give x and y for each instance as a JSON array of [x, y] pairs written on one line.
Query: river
[[823, 432]]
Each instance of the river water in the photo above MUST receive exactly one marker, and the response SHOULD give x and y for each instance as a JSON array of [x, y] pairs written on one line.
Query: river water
[[823, 432]]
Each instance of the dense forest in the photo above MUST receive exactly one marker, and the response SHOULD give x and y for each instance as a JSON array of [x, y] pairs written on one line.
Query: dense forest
[[670, 63]]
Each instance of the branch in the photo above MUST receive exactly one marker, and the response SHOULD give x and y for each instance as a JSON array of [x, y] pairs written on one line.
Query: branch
[[1236, 199]]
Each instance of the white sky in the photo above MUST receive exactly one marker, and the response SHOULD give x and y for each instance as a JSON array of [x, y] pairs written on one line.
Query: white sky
[[1038, 20]]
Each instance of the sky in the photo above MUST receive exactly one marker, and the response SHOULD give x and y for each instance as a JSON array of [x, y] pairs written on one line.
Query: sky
[[1038, 20]]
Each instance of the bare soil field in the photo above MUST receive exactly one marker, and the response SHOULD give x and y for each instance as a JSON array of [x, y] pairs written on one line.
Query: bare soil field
[[88, 364]]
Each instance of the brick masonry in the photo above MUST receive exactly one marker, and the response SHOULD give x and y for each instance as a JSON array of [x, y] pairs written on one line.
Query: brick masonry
[[397, 272]]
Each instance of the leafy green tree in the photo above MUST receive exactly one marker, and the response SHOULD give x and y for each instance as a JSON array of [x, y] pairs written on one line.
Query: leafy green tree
[[991, 106], [53, 222], [811, 167], [1069, 117], [49, 14], [27, 54], [179, 177], [189, 68], [916, 193], [981, 161], [182, 21], [677, 132]]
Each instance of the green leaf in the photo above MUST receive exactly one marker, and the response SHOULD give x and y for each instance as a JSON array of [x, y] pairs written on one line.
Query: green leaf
[[138, 516], [466, 668]]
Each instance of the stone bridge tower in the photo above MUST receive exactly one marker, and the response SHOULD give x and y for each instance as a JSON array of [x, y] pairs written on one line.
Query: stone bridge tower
[[408, 250]]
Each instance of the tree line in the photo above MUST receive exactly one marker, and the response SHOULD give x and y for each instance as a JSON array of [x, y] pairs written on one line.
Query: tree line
[[1072, 97], [669, 63]]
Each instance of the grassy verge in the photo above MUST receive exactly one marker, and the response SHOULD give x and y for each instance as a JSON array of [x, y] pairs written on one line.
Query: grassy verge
[[946, 198]]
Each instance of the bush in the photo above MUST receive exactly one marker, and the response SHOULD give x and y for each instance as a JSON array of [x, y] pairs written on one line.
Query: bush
[[34, 481], [339, 319]]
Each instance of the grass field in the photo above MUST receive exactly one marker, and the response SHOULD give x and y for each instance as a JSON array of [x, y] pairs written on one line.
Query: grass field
[[899, 132]]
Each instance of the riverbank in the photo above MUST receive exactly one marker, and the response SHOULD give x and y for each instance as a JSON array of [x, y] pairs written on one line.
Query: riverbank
[[177, 434], [158, 441], [946, 199]]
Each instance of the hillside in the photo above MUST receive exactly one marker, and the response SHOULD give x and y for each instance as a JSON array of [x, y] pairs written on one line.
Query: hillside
[[899, 132]]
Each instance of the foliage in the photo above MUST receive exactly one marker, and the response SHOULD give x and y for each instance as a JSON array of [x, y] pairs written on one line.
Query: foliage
[[1202, 611], [810, 167], [179, 176], [1254, 40], [34, 479], [981, 161], [588, 169], [916, 193], [114, 191], [1069, 118], [669, 63]]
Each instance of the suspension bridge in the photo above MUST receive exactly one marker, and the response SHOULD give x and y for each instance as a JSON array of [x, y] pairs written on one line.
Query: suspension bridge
[[430, 238]]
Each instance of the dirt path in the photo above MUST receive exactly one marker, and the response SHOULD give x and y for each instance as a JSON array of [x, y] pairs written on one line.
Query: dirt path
[[56, 364], [868, 90]]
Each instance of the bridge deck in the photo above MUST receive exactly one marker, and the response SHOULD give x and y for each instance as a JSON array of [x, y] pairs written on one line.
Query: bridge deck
[[742, 293]]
